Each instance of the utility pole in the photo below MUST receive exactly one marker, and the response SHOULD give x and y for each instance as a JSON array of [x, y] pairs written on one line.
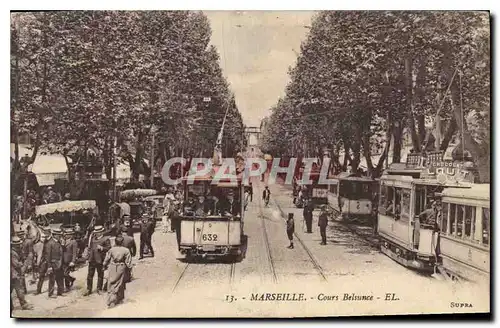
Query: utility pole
[[115, 141]]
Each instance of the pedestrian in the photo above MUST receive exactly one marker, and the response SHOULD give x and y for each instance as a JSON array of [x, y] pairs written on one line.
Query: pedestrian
[[27, 253], [251, 191], [129, 242], [51, 263], [145, 239], [323, 223], [118, 260], [290, 229], [17, 273], [266, 194], [127, 224], [308, 215], [70, 252], [99, 246]]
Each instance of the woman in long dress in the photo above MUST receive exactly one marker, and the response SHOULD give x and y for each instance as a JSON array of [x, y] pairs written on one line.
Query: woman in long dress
[[118, 260]]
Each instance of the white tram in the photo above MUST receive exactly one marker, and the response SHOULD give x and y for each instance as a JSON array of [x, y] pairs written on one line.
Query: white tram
[[465, 233], [210, 224]]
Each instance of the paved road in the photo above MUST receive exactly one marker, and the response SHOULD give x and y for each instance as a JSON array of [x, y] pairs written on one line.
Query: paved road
[[166, 286]]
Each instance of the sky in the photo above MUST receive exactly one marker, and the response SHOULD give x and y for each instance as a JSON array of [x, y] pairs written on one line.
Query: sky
[[256, 49]]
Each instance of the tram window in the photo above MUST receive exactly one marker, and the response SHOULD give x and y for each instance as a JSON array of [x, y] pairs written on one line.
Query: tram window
[[444, 218], [390, 201], [486, 226], [460, 220], [334, 189], [405, 204], [383, 199], [420, 199], [453, 211], [470, 218]]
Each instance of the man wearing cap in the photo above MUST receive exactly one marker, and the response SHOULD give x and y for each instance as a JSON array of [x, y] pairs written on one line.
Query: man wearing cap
[[98, 247], [323, 223], [290, 229], [51, 263], [70, 251], [17, 273]]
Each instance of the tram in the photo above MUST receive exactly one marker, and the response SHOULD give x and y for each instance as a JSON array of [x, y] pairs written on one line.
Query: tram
[[464, 248], [354, 197], [405, 193], [212, 217]]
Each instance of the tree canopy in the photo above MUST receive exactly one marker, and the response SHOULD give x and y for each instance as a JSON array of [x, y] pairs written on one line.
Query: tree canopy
[[86, 78]]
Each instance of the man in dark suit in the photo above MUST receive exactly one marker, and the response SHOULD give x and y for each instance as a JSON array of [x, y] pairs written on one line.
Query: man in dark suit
[[99, 246], [147, 229], [129, 242], [308, 215], [323, 223], [51, 263], [70, 251]]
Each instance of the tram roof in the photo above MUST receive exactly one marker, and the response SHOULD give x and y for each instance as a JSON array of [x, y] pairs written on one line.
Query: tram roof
[[476, 191], [211, 175]]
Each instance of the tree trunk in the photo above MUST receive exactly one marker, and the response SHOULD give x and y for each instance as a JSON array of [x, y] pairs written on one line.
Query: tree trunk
[[448, 135], [398, 143], [409, 103]]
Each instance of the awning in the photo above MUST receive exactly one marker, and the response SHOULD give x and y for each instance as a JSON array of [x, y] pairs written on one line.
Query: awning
[[65, 206], [46, 168], [48, 179]]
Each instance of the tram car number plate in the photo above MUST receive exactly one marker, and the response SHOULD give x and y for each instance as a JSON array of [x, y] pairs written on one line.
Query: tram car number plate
[[320, 193]]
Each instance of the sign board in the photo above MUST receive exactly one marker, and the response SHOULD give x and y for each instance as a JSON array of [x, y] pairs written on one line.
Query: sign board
[[320, 193], [450, 171]]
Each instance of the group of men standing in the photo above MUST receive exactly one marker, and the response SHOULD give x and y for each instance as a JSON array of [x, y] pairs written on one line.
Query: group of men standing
[[55, 259]]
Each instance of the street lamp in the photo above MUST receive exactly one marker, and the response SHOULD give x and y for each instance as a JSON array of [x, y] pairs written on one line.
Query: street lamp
[[151, 163]]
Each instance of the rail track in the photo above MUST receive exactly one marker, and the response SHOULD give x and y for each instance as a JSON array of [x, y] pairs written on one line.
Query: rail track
[[266, 240]]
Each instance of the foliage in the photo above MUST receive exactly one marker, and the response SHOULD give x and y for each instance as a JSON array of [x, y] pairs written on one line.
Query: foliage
[[84, 78]]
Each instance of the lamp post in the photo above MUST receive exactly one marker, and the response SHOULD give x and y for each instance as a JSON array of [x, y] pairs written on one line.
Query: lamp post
[[151, 163]]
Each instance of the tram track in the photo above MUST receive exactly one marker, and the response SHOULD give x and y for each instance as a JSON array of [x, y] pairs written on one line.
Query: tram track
[[179, 278], [313, 260], [266, 241]]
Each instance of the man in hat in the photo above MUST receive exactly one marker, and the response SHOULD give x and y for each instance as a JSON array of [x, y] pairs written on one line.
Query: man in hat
[[129, 242], [290, 229], [323, 223], [70, 251], [128, 226], [51, 263], [17, 273], [230, 206], [147, 229], [98, 247], [27, 253]]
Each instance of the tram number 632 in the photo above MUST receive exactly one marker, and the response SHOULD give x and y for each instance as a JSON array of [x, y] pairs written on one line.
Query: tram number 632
[[209, 237]]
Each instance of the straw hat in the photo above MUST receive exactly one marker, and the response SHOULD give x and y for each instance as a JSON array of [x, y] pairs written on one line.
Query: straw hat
[[99, 228]]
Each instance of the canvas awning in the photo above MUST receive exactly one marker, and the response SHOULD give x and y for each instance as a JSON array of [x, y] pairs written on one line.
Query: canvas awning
[[47, 167]]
